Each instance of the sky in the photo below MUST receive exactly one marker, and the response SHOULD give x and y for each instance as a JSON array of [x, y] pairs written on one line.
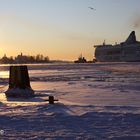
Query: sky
[[64, 29]]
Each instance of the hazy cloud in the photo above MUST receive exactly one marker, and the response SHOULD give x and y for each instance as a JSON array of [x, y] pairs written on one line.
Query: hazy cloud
[[21, 22], [136, 21]]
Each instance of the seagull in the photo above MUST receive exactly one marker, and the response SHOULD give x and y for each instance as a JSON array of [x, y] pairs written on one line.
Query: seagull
[[91, 8]]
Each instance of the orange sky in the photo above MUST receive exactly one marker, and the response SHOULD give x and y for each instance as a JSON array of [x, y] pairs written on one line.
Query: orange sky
[[64, 29]]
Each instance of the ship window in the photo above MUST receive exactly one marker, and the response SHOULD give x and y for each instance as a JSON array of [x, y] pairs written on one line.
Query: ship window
[[129, 52], [137, 52], [113, 52]]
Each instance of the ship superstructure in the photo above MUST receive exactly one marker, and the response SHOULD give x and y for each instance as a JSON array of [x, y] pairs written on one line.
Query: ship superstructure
[[128, 51]]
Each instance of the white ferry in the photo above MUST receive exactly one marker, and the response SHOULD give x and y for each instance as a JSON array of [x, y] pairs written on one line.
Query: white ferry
[[128, 51]]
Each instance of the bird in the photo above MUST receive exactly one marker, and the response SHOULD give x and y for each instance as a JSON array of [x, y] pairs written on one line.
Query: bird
[[91, 8]]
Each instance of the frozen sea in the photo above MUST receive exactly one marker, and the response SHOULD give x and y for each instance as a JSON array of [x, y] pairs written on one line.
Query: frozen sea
[[96, 102]]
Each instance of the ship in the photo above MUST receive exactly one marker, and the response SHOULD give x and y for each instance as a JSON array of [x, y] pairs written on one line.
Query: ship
[[128, 51], [81, 59]]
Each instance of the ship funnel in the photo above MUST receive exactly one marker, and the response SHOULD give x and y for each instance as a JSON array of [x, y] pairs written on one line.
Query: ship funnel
[[131, 39]]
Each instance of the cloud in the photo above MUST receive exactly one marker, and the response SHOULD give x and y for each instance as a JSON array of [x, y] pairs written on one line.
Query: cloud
[[21, 22], [136, 21]]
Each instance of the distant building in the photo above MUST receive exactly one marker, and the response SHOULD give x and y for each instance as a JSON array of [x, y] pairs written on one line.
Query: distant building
[[24, 59], [21, 59]]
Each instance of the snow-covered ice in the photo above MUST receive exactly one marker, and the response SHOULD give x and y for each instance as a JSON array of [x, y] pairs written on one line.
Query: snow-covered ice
[[96, 102]]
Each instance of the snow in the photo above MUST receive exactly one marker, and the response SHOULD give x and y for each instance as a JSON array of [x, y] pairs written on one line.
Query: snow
[[96, 101]]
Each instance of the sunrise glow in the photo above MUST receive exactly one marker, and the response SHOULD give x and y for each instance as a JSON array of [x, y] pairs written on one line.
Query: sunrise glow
[[64, 29]]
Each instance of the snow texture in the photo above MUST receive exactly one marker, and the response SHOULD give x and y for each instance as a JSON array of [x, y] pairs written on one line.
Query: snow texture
[[96, 102]]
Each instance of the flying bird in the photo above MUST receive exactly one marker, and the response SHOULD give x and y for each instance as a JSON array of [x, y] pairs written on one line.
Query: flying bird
[[91, 8]]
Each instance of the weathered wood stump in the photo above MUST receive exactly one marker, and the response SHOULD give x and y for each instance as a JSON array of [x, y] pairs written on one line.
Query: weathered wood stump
[[19, 82]]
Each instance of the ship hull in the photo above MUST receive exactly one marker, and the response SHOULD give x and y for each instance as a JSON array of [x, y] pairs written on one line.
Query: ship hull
[[128, 51]]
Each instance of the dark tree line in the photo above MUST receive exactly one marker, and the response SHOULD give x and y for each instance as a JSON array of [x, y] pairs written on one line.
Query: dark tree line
[[19, 59]]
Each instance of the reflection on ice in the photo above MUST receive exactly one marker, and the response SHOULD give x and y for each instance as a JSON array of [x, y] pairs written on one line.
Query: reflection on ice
[[96, 101], [4, 74], [94, 84]]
